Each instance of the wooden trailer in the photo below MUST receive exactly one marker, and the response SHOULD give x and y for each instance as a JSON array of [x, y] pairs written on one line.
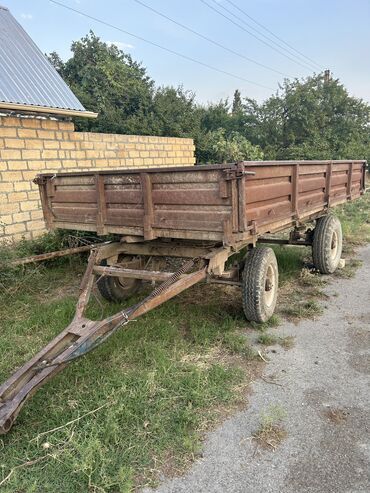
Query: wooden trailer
[[202, 215]]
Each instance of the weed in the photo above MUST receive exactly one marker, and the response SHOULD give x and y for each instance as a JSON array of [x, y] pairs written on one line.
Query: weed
[[273, 321], [349, 269], [271, 431], [267, 339], [303, 309], [161, 381]]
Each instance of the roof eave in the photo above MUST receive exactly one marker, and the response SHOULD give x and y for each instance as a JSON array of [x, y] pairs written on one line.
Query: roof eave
[[44, 109]]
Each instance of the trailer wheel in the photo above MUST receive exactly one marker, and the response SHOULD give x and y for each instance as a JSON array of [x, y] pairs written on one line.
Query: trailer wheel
[[260, 284], [117, 288], [327, 244]]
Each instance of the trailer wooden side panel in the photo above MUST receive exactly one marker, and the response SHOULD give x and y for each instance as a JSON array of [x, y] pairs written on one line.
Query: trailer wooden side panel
[[223, 203]]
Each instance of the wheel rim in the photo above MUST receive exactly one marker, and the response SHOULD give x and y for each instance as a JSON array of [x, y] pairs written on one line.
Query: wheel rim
[[334, 245], [270, 285]]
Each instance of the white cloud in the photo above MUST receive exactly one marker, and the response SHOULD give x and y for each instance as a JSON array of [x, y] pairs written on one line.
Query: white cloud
[[27, 16], [121, 45]]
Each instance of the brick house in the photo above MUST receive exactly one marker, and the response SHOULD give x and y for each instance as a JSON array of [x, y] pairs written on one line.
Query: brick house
[[37, 134]]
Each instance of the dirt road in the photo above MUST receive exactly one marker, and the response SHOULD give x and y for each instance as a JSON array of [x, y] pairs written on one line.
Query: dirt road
[[324, 389]]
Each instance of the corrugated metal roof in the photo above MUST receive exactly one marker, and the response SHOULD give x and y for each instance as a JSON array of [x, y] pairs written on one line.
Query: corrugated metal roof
[[26, 76]]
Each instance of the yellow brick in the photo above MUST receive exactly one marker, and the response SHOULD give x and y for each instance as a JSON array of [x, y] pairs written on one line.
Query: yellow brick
[[21, 216], [46, 134], [12, 165], [34, 144], [36, 165], [6, 219], [144, 154], [101, 162], [31, 122], [8, 132], [69, 163], [36, 214], [49, 154], [12, 176], [34, 195], [148, 161], [93, 154], [76, 136], [67, 145], [86, 145], [15, 228], [17, 196], [66, 126], [29, 205], [3, 165], [51, 144], [29, 175], [9, 208], [37, 225], [6, 187], [20, 186], [27, 133], [59, 135], [134, 154], [31, 154], [49, 124], [10, 121], [14, 143], [8, 154], [78, 154]]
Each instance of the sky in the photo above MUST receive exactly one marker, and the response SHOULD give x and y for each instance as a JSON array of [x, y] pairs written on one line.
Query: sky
[[332, 33]]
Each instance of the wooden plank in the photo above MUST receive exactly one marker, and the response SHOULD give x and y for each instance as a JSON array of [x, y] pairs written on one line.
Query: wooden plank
[[295, 190], [101, 215], [349, 181], [146, 186], [234, 206], [328, 183]]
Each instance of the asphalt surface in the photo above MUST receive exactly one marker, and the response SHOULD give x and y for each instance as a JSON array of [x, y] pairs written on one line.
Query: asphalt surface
[[325, 392]]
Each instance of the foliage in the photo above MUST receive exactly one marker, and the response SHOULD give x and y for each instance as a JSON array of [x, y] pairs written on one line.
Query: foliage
[[221, 148], [312, 118]]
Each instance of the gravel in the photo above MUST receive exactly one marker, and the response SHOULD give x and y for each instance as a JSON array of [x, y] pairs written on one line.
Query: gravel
[[325, 392]]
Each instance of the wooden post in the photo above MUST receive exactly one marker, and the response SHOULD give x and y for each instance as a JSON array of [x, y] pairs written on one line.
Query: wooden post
[[146, 186], [349, 181], [295, 190], [329, 174], [101, 214]]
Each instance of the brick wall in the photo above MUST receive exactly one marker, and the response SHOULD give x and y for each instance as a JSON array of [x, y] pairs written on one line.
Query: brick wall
[[32, 145]]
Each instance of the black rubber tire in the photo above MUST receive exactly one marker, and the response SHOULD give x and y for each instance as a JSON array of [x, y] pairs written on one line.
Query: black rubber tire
[[260, 276], [327, 244], [116, 289]]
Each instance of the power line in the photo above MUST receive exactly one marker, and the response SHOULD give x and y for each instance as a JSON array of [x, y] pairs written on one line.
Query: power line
[[173, 52], [273, 34], [216, 43], [252, 34]]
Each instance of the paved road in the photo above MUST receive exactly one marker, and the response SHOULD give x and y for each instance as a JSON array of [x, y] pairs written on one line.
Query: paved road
[[327, 371]]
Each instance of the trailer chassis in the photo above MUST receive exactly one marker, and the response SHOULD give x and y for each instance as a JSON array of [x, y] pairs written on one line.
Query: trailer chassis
[[203, 261]]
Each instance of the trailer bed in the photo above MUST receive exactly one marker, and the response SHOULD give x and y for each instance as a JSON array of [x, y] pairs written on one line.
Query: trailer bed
[[226, 203]]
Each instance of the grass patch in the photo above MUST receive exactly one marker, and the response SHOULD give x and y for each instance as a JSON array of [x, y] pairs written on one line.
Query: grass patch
[[355, 219], [271, 431], [268, 339], [162, 382]]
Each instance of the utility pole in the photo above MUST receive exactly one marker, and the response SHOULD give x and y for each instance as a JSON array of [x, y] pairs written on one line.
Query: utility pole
[[327, 75]]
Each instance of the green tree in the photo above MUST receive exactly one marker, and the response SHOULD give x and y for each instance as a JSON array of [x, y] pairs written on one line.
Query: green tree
[[218, 147], [314, 119], [109, 82]]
